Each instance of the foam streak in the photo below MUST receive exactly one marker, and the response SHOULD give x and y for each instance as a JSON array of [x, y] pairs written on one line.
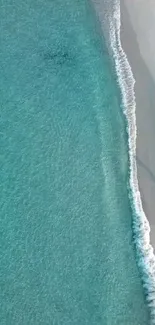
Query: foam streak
[[141, 228]]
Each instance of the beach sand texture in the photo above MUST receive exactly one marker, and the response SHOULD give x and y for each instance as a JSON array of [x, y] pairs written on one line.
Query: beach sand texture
[[137, 36]]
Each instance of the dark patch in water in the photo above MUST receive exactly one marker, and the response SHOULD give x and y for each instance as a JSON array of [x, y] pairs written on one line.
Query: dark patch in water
[[56, 58]]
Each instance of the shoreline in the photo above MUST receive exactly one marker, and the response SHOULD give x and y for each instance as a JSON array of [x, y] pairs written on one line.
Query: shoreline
[[135, 82], [144, 117]]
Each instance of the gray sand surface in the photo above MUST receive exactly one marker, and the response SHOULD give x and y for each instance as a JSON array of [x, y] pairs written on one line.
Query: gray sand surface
[[137, 37], [145, 113]]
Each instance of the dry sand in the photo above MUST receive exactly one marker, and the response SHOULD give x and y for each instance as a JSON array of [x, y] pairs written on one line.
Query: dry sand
[[138, 27], [138, 41]]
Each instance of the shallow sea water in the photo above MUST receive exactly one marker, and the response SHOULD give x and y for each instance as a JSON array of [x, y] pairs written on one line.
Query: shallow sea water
[[66, 249]]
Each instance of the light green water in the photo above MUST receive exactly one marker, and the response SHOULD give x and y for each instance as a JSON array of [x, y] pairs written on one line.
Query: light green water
[[66, 249]]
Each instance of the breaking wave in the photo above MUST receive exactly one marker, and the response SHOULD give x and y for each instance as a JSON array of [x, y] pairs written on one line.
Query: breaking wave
[[141, 228]]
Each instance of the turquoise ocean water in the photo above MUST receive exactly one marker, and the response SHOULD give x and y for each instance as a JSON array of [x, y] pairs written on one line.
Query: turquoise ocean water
[[66, 250]]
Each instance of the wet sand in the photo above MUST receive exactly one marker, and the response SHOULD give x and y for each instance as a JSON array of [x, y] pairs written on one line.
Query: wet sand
[[137, 37], [139, 50]]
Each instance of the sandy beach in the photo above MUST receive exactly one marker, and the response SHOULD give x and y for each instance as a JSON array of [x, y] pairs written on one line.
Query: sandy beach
[[137, 38], [138, 24]]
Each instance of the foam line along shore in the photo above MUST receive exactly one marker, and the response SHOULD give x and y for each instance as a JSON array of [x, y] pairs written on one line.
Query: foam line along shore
[[126, 79], [137, 33], [141, 228]]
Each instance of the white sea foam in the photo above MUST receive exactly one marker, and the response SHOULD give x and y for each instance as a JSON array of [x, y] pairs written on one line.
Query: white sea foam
[[141, 228]]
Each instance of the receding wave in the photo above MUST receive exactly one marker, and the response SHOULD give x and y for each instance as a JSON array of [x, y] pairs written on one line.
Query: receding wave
[[141, 228]]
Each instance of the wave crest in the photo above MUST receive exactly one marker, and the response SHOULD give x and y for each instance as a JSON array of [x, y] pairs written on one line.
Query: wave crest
[[141, 228]]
